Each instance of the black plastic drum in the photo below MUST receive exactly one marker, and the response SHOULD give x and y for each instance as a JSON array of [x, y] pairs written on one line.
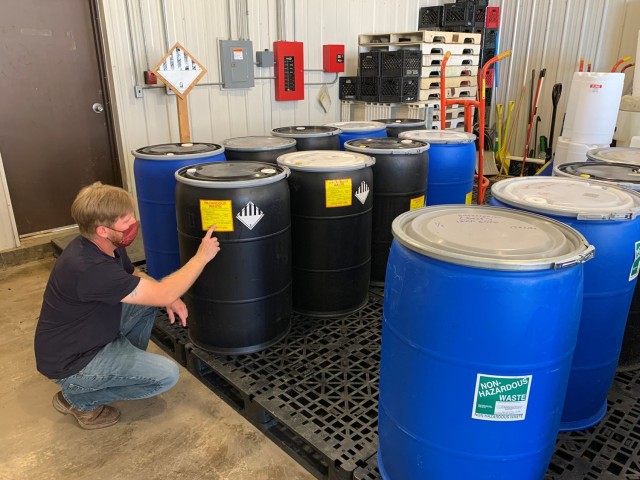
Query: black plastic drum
[[395, 126], [331, 212], [258, 149], [311, 138], [400, 179], [241, 302]]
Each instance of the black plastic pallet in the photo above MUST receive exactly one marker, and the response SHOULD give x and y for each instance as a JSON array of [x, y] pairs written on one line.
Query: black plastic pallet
[[314, 393], [172, 338]]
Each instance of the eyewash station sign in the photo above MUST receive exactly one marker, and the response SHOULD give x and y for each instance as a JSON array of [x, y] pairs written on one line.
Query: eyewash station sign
[[501, 399]]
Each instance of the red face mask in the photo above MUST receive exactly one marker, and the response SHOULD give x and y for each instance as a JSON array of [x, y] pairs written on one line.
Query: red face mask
[[128, 235]]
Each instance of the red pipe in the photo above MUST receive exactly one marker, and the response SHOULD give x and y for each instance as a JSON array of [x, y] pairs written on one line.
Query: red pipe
[[617, 64]]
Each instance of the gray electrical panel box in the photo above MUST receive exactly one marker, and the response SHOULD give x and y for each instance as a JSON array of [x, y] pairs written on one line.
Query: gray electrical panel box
[[237, 63], [264, 58]]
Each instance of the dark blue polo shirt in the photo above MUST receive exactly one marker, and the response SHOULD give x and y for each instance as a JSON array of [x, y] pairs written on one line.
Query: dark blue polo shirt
[[81, 307]]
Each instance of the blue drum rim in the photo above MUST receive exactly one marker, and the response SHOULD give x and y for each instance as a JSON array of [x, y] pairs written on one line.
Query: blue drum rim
[[172, 157], [497, 191], [231, 184], [366, 126], [582, 251]]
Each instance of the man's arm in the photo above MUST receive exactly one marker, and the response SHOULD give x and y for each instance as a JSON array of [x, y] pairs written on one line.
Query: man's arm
[[169, 289]]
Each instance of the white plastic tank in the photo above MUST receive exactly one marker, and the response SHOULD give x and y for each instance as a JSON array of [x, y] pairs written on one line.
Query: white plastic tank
[[566, 151], [592, 108]]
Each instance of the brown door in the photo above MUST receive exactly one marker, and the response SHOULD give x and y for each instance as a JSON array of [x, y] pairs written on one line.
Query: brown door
[[55, 123]]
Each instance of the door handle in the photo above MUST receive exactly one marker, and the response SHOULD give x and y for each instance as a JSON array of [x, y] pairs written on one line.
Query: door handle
[[98, 108]]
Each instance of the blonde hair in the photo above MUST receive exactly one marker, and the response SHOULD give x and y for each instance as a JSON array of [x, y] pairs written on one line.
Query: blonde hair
[[99, 204]]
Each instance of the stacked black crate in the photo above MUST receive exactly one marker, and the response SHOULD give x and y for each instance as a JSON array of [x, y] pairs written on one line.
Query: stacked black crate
[[430, 18], [369, 76], [389, 76]]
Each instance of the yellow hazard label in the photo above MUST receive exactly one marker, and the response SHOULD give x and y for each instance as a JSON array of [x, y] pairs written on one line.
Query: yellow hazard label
[[218, 213], [338, 192], [467, 198], [417, 202]]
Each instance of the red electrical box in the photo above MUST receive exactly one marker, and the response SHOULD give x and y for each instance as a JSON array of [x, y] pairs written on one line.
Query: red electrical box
[[289, 70], [333, 58]]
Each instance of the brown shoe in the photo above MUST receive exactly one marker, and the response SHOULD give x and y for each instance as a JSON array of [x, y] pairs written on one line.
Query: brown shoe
[[100, 417]]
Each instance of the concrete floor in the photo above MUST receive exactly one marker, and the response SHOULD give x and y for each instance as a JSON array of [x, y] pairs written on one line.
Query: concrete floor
[[187, 432]]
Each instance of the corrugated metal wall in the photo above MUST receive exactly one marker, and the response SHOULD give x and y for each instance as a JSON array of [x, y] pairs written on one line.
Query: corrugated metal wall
[[555, 34], [542, 33]]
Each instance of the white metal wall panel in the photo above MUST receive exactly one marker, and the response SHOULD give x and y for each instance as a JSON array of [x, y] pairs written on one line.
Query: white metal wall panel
[[541, 33]]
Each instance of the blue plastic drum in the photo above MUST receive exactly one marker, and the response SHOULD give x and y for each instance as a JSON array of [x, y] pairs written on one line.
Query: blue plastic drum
[[154, 168], [452, 165], [607, 216], [474, 367], [353, 130]]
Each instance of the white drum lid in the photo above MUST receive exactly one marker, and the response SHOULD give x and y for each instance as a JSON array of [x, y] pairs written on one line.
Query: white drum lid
[[439, 136], [387, 146], [616, 155], [623, 174], [358, 126], [491, 238], [325, 161], [258, 144], [568, 197]]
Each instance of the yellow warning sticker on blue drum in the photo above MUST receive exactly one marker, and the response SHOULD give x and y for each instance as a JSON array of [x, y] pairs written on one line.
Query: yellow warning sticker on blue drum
[[338, 192], [467, 198], [417, 202], [218, 213]]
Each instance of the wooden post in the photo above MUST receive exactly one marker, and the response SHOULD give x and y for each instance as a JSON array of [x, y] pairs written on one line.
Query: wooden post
[[183, 119]]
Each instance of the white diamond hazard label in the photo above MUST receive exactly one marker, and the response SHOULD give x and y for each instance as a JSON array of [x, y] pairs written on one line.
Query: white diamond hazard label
[[363, 192], [250, 215]]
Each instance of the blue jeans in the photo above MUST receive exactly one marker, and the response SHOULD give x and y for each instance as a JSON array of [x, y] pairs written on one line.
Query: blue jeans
[[122, 370]]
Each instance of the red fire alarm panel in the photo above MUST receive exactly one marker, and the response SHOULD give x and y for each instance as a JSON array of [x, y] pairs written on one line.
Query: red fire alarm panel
[[289, 70], [333, 58]]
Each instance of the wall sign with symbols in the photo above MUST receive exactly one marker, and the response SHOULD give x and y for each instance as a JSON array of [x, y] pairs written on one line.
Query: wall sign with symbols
[[179, 70]]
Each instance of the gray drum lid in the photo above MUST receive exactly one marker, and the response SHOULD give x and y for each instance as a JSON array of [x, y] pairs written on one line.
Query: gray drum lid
[[622, 173], [630, 156], [388, 146], [231, 174], [325, 161], [401, 122], [258, 144], [568, 197], [439, 136], [354, 127], [182, 150], [491, 238], [306, 131]]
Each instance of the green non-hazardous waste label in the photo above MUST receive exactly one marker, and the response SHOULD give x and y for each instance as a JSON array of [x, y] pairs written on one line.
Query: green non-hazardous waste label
[[501, 399], [636, 263]]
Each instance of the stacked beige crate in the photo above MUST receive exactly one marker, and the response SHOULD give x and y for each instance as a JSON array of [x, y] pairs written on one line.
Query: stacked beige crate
[[461, 74]]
